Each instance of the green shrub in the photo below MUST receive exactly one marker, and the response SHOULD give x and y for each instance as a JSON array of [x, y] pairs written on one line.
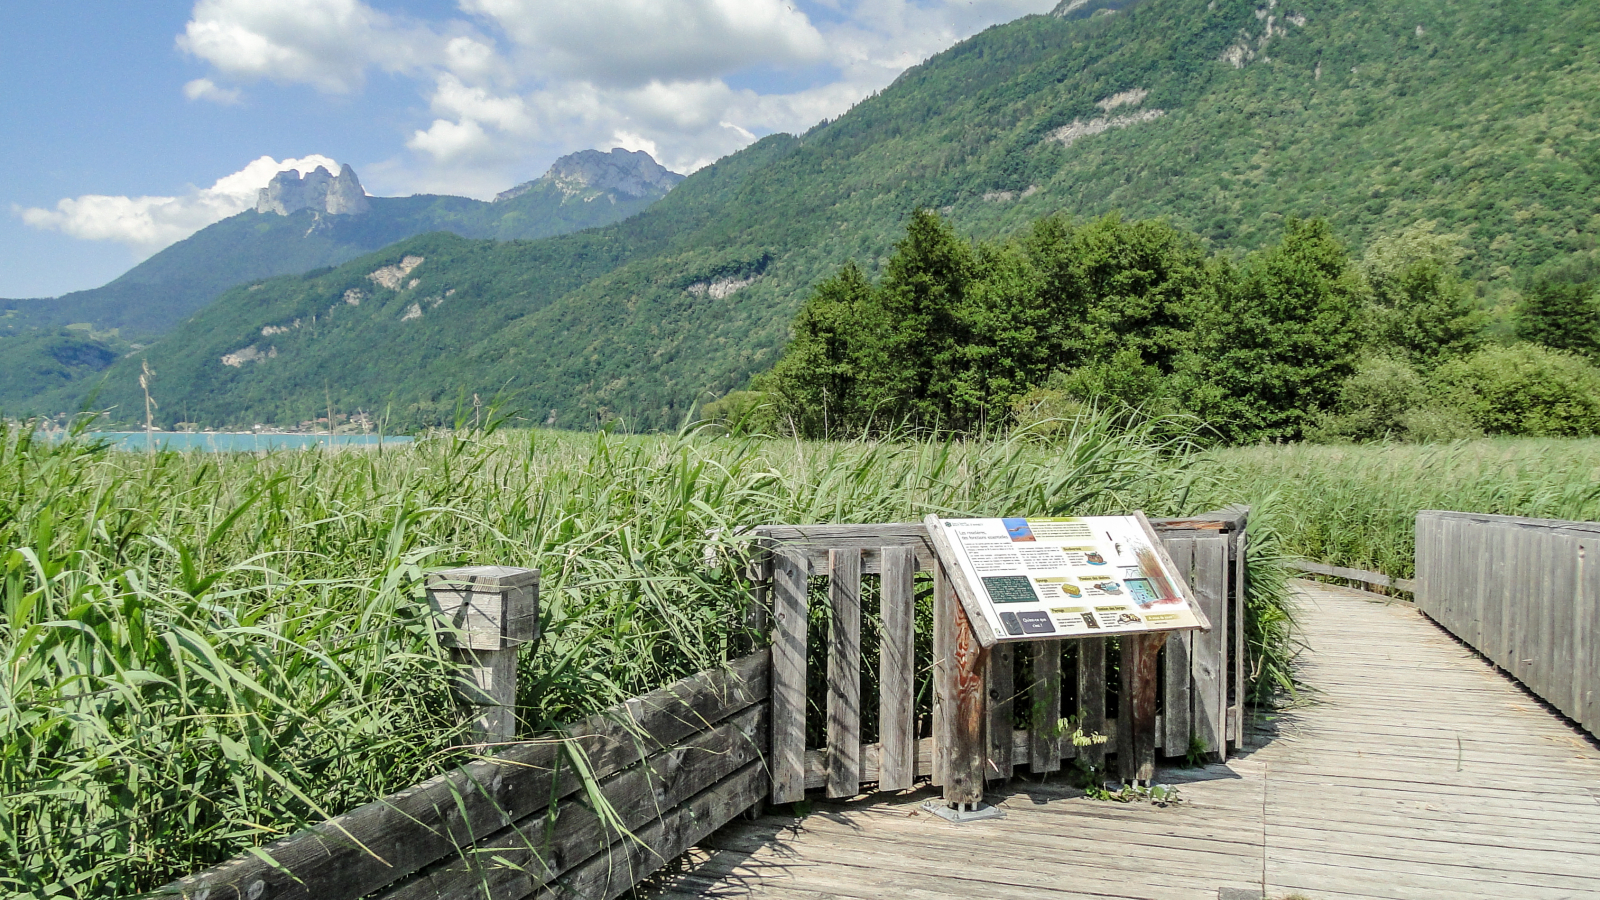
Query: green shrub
[[1562, 315], [1523, 389], [1421, 307], [741, 412], [1373, 402], [1437, 423]]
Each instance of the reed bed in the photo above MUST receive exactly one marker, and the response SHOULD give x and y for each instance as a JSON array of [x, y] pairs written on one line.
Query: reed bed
[[1356, 505], [202, 652]]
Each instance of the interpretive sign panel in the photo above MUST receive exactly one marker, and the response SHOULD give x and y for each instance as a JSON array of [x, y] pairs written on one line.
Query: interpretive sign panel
[[1051, 578]]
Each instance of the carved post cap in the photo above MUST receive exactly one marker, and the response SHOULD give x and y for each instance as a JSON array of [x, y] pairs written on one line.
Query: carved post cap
[[489, 607]]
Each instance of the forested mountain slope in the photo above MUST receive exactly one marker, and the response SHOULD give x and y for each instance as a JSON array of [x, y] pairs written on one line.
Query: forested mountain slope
[[1225, 116]]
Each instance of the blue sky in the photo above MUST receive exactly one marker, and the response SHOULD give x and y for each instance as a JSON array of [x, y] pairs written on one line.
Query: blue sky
[[130, 125]]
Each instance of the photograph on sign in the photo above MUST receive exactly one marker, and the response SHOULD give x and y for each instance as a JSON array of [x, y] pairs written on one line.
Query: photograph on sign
[[1069, 577]]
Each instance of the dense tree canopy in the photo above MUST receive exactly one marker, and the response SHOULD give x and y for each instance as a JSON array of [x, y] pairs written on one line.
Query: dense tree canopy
[[1294, 340], [1561, 315]]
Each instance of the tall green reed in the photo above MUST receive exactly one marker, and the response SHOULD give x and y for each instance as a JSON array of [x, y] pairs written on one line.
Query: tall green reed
[[200, 653], [1356, 505]]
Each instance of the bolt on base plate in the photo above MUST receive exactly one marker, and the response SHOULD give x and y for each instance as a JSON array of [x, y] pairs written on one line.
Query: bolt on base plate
[[963, 813]]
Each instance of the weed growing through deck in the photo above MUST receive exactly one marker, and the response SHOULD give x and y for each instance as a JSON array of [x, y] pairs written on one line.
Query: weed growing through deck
[[1161, 795]]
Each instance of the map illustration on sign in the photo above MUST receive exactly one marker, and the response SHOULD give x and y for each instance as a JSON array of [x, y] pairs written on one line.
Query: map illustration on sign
[[1069, 577]]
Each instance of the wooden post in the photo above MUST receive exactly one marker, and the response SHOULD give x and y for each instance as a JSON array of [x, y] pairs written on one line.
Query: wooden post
[[492, 611], [964, 711], [1136, 725]]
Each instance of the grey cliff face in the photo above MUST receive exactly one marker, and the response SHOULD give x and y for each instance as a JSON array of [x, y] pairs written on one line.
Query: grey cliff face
[[621, 172], [339, 195]]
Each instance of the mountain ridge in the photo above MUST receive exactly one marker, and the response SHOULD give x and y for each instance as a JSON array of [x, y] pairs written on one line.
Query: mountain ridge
[[300, 224], [332, 219], [1349, 110]]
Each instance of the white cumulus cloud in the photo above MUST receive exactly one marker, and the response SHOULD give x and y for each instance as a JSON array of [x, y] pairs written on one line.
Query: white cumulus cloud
[[206, 89], [632, 42], [507, 85], [147, 224], [326, 43]]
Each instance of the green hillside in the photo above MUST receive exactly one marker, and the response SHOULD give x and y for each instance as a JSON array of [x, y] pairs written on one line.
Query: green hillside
[[1227, 117]]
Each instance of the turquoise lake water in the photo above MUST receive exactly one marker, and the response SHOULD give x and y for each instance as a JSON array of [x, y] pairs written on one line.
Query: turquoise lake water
[[221, 443]]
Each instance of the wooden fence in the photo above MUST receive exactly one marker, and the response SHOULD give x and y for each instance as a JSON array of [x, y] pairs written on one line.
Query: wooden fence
[[677, 763], [1025, 691], [674, 764], [1371, 579], [1525, 593]]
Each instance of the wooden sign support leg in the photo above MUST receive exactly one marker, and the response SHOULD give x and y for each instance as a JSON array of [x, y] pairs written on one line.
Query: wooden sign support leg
[[959, 683], [964, 781], [1137, 728]]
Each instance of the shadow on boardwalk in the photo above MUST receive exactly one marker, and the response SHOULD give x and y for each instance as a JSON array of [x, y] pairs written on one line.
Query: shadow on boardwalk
[[1413, 769]]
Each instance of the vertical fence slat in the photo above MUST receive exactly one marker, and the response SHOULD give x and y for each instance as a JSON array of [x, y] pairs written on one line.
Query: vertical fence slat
[[790, 571], [1505, 600], [1001, 672], [844, 673], [1044, 686], [944, 676], [1479, 549], [1586, 655], [897, 671], [1210, 649], [1463, 572], [1241, 650], [1563, 619], [1529, 596], [1536, 645], [757, 610], [1092, 696], [1178, 720]]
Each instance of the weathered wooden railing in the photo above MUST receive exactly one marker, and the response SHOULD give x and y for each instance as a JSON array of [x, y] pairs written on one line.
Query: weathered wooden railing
[[1201, 680], [674, 765], [680, 762], [1525, 593], [1362, 576]]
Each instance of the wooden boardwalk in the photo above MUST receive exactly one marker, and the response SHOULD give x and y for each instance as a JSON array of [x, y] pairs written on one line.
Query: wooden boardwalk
[[1415, 770]]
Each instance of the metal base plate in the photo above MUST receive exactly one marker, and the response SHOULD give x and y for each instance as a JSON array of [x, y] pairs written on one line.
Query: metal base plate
[[966, 812]]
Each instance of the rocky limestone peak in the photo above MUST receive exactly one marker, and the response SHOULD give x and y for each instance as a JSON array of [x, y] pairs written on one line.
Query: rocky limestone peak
[[320, 190], [621, 172]]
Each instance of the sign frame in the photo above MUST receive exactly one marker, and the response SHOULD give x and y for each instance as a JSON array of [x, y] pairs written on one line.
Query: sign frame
[[974, 604]]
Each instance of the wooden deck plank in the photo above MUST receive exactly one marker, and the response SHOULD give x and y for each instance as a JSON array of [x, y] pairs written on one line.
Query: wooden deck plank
[[1413, 769]]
